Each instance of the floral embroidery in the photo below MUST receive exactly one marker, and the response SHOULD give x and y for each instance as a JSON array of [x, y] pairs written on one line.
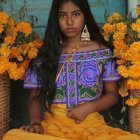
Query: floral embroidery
[[89, 73]]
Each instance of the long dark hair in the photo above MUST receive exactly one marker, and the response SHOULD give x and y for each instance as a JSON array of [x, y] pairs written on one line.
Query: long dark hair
[[50, 51]]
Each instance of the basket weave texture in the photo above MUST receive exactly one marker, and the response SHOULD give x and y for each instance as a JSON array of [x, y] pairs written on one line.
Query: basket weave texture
[[4, 103], [134, 114]]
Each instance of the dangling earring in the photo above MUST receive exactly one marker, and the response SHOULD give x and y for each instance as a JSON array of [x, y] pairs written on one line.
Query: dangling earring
[[85, 36]]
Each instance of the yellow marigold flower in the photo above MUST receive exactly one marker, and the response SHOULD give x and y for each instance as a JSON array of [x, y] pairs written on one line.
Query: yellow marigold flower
[[120, 48], [24, 27], [138, 9], [123, 92], [115, 16], [133, 52], [108, 28], [132, 102], [123, 71], [134, 70], [119, 35], [32, 53], [136, 26], [3, 17], [9, 40], [121, 26]]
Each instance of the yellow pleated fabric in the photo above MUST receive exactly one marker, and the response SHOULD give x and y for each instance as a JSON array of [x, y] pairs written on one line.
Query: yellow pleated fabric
[[60, 127]]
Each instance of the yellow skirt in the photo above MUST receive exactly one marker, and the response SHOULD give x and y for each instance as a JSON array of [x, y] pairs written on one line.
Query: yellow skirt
[[60, 127]]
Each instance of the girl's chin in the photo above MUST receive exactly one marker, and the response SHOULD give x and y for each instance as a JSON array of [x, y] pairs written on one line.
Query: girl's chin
[[71, 35]]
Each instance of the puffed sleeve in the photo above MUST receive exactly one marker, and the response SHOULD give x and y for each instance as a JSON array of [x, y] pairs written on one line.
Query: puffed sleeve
[[31, 79], [110, 72]]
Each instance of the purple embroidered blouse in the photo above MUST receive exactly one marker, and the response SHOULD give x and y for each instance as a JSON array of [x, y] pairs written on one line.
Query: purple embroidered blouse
[[82, 78]]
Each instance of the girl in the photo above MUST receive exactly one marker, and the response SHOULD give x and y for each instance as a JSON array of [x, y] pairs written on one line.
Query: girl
[[74, 77]]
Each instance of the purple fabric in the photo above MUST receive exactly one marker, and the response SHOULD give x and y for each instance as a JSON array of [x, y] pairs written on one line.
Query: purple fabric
[[81, 80]]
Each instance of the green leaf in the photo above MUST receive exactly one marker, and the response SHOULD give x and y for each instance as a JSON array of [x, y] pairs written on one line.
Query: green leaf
[[123, 109], [121, 121]]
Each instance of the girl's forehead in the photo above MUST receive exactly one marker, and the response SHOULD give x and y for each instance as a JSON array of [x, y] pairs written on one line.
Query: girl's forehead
[[68, 6]]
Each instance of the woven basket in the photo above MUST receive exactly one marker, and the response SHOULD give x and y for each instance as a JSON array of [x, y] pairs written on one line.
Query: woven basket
[[134, 114], [4, 103]]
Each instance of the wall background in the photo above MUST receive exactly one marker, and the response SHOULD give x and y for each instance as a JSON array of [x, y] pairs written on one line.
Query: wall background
[[37, 11]]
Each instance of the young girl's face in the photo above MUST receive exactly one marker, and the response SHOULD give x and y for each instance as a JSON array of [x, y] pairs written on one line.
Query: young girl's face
[[71, 20]]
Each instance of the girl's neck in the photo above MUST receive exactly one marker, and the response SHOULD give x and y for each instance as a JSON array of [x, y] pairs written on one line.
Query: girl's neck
[[72, 41]]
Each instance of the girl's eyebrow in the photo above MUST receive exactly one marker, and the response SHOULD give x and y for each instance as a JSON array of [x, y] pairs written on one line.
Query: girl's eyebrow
[[71, 12]]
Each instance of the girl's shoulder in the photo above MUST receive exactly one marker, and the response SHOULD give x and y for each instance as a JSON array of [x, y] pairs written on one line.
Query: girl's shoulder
[[91, 46]]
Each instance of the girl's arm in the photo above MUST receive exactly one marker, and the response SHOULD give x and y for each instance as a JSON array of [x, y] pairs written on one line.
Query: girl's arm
[[108, 99], [34, 112], [34, 108]]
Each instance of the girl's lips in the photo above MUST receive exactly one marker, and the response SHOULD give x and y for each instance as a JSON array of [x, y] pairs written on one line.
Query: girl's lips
[[70, 29]]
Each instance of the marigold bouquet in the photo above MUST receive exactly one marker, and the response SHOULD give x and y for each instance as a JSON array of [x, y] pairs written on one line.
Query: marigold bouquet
[[124, 35], [18, 45]]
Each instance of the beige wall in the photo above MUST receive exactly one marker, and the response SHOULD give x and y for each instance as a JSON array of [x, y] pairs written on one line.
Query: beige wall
[[132, 5]]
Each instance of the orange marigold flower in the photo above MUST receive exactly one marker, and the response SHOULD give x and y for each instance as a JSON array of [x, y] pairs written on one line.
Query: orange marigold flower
[[121, 27], [108, 28], [24, 27], [132, 102], [115, 16], [3, 17], [24, 49], [20, 58], [132, 83], [4, 64], [119, 35], [32, 53], [4, 50], [36, 43], [138, 35], [1, 28], [120, 62], [123, 92], [14, 52], [17, 73], [9, 40], [25, 64]]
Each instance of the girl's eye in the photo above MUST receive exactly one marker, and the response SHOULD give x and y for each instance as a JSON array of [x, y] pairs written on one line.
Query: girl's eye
[[76, 14], [62, 15]]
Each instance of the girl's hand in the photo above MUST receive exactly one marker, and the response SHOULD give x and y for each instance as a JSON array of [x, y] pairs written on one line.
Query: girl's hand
[[80, 112], [33, 128]]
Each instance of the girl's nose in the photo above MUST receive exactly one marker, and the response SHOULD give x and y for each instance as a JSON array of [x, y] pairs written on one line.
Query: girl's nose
[[69, 20]]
